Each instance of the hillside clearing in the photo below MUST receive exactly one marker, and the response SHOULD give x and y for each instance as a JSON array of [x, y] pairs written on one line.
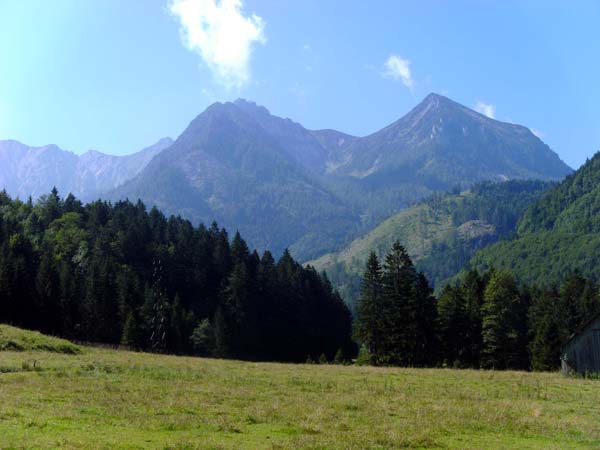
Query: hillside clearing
[[124, 400], [17, 339]]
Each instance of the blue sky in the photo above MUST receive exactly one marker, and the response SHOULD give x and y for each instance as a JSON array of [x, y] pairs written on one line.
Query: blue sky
[[117, 75]]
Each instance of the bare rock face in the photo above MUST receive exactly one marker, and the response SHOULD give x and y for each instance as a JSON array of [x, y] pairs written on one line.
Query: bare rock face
[[473, 229], [33, 171], [443, 142]]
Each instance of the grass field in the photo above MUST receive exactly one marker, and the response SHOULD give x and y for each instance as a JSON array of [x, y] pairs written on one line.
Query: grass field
[[102, 398]]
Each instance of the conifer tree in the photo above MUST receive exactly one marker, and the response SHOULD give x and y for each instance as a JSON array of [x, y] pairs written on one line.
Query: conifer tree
[[222, 335], [452, 325], [239, 250], [472, 290], [547, 344], [203, 338], [369, 309], [548, 329], [427, 348], [237, 309], [571, 292], [504, 344], [48, 294], [132, 335], [400, 325]]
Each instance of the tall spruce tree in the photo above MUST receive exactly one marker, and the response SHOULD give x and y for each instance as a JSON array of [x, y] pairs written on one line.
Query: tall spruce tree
[[399, 329], [472, 289], [503, 324], [548, 329], [453, 323], [370, 309], [427, 348]]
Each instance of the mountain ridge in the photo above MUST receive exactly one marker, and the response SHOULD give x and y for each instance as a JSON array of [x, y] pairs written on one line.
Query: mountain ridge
[[32, 171], [446, 123], [285, 186]]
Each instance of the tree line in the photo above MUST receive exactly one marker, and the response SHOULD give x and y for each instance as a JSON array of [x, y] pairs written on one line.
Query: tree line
[[562, 227], [485, 321], [495, 206], [120, 274]]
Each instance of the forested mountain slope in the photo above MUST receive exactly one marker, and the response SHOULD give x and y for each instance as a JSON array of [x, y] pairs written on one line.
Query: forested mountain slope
[[227, 167], [441, 233], [557, 235]]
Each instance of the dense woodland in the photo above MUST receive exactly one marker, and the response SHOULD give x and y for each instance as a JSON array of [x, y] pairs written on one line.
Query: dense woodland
[[120, 274], [396, 312], [556, 235], [498, 204], [494, 209], [486, 321]]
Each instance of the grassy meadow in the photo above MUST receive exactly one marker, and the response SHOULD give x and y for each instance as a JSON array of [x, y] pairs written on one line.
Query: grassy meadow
[[106, 399]]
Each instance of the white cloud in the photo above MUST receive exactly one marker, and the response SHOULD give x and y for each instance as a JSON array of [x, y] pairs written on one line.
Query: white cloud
[[537, 133], [486, 109], [221, 34], [307, 48], [398, 68]]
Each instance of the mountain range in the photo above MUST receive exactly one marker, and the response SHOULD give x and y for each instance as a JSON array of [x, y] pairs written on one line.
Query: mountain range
[[284, 186], [32, 171]]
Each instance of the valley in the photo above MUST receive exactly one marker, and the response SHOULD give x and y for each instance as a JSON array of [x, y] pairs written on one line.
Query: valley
[[248, 224]]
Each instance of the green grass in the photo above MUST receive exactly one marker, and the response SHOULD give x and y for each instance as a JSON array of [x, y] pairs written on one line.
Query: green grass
[[17, 339], [106, 399]]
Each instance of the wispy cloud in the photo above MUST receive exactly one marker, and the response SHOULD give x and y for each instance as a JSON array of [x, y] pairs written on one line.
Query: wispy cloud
[[398, 68], [221, 34], [486, 109]]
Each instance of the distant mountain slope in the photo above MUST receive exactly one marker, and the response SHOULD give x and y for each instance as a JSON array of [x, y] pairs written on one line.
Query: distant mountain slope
[[228, 166], [291, 137], [557, 235], [440, 234], [33, 171], [438, 145], [98, 172], [313, 190], [441, 142]]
